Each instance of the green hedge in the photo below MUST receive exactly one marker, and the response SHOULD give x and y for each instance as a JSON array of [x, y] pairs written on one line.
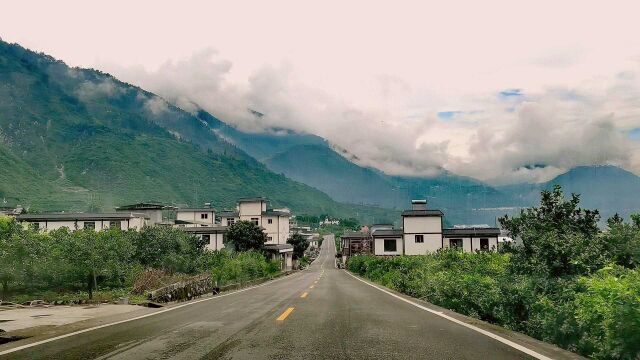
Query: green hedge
[[597, 315]]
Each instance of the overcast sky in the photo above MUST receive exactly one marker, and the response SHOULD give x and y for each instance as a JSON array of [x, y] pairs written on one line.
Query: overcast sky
[[504, 91]]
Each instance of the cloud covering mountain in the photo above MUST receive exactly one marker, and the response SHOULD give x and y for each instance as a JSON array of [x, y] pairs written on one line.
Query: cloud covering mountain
[[498, 91]]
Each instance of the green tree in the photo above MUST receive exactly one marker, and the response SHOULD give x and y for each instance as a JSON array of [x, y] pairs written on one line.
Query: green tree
[[299, 245], [166, 248], [555, 213], [89, 255], [245, 236]]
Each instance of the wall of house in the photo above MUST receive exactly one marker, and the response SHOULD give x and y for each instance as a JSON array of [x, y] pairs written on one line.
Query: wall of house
[[285, 233], [379, 247], [134, 223], [254, 208], [432, 243], [422, 224], [216, 241], [471, 244], [196, 216], [430, 227], [225, 221]]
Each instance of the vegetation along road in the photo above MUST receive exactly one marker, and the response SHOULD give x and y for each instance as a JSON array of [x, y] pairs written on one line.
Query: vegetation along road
[[321, 312]]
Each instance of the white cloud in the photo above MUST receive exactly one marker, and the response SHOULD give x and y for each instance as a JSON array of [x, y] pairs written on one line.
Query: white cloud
[[371, 77]]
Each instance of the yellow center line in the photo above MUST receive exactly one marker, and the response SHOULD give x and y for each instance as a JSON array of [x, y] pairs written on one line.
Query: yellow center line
[[311, 287], [304, 295], [315, 282], [285, 314]]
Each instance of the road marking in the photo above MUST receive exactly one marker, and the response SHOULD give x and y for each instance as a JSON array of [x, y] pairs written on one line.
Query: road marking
[[304, 295], [285, 314], [311, 287], [459, 322], [26, 346], [315, 282]]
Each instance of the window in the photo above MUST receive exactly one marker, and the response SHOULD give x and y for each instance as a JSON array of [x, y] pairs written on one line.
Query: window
[[269, 238], [419, 238], [231, 221], [204, 216], [256, 221], [390, 245], [269, 221], [455, 243], [207, 238], [90, 225], [484, 244], [115, 225]]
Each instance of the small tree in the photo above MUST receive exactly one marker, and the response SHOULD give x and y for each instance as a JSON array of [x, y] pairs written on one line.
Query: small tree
[[299, 245], [245, 236]]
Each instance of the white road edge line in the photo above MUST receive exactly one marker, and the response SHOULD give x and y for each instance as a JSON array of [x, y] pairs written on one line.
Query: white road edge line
[[514, 345], [26, 346]]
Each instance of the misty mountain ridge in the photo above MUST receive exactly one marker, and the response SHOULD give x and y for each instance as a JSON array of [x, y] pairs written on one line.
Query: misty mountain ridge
[[80, 140]]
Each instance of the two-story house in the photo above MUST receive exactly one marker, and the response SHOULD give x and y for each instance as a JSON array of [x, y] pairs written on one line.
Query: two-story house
[[275, 222], [194, 217], [422, 229]]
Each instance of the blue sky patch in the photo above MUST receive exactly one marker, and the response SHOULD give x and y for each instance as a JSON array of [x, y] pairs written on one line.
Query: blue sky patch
[[510, 93], [448, 115]]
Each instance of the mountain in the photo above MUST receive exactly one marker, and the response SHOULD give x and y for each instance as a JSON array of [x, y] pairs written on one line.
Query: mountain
[[609, 189], [79, 139], [463, 200]]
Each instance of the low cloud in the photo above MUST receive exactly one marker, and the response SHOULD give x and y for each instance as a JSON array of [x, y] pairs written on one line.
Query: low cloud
[[90, 90], [530, 136]]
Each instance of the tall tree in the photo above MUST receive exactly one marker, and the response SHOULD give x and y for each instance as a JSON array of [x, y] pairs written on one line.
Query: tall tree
[[245, 236], [299, 245]]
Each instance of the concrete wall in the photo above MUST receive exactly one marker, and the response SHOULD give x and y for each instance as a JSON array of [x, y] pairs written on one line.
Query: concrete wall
[[471, 244], [254, 208], [225, 221], [134, 223], [379, 247], [422, 224], [196, 216], [285, 233], [432, 242], [430, 227], [215, 241]]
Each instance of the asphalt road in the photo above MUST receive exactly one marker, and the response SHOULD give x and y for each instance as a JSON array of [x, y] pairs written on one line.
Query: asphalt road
[[320, 313]]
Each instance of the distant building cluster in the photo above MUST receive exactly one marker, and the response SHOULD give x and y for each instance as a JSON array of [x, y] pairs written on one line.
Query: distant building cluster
[[201, 222], [422, 232]]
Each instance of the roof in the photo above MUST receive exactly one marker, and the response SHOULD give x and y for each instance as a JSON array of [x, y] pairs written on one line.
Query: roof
[[422, 213], [355, 235], [279, 247], [489, 232], [80, 216], [388, 233], [229, 214], [252, 199], [195, 209], [145, 206], [275, 213], [204, 229]]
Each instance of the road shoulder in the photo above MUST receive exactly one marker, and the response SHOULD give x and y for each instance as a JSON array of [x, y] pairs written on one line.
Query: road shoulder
[[543, 349]]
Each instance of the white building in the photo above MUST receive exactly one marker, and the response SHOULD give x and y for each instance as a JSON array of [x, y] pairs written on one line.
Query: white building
[[422, 229], [212, 235], [77, 221], [423, 233], [275, 222], [156, 212], [190, 217]]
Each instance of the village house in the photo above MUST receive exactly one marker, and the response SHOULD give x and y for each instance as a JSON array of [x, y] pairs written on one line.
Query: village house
[[275, 222], [213, 235], [155, 212], [78, 221], [193, 217], [422, 233], [11, 211]]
